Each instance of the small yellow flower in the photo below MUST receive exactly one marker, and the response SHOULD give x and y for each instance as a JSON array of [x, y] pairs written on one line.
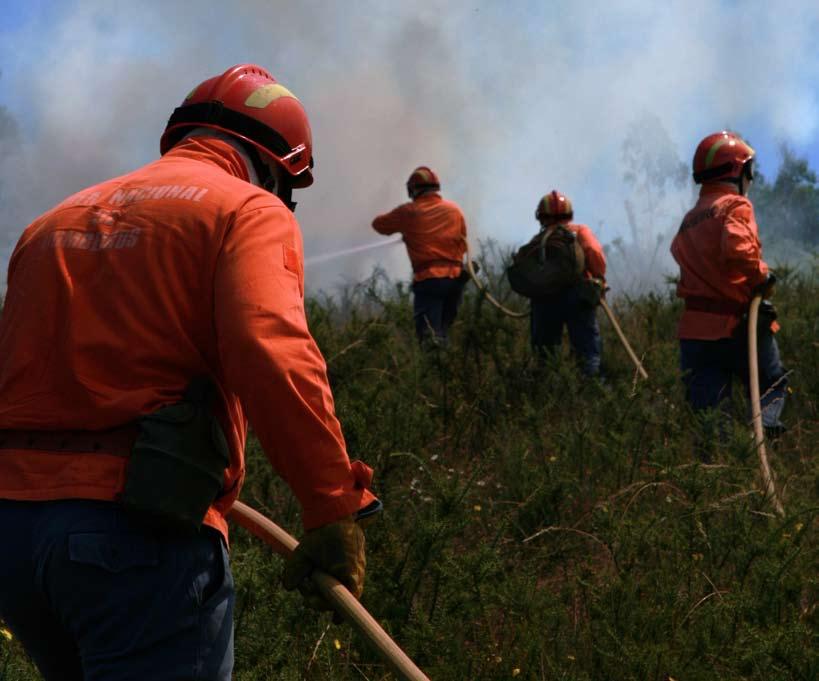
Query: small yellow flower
[[477, 508], [552, 459], [337, 644], [516, 671], [570, 657], [798, 527], [5, 633]]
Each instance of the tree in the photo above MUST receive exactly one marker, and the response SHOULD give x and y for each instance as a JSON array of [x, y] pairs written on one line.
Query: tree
[[788, 208], [655, 176]]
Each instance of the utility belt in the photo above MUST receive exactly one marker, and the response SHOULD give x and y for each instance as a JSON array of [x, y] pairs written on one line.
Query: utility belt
[[176, 455], [437, 263], [767, 313], [729, 307]]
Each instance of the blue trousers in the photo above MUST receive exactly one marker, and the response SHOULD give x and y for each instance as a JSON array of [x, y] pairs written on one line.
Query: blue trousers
[[436, 302], [709, 366], [93, 595], [550, 315]]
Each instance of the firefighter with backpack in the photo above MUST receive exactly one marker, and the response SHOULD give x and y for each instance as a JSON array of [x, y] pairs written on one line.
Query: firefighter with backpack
[[562, 270]]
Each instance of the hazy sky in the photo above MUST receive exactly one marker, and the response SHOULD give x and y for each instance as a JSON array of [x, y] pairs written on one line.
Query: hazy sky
[[506, 100]]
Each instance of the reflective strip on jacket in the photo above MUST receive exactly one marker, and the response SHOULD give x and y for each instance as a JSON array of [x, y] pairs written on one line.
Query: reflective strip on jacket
[[122, 293], [592, 251], [434, 231], [720, 257]]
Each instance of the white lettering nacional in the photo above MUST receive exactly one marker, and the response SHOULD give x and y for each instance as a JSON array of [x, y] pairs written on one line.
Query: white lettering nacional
[[129, 195], [91, 241]]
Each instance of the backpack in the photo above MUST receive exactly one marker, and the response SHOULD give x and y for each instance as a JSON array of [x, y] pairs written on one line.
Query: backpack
[[552, 261]]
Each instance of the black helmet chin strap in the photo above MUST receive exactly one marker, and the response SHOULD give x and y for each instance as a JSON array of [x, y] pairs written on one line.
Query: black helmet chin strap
[[282, 189], [712, 173]]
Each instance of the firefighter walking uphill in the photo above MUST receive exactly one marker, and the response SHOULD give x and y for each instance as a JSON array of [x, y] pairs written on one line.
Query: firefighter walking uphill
[[147, 320], [719, 254], [562, 269]]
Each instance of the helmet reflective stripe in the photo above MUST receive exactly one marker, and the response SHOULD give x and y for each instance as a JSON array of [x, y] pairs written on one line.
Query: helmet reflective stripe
[[554, 205], [709, 157], [247, 102], [424, 176], [721, 156], [262, 96]]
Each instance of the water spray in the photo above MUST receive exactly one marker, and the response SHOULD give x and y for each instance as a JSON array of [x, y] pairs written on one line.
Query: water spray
[[314, 260]]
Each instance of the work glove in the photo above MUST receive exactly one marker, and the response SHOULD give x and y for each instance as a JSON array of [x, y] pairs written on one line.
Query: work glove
[[591, 291], [602, 284], [338, 550], [464, 277], [767, 287]]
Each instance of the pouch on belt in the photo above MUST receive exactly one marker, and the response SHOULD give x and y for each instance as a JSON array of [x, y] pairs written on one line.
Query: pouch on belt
[[177, 463]]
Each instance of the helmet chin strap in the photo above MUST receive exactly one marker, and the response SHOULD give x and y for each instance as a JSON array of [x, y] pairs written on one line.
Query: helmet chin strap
[[269, 181], [258, 172]]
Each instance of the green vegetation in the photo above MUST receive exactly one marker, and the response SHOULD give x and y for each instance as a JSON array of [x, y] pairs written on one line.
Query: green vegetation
[[541, 527]]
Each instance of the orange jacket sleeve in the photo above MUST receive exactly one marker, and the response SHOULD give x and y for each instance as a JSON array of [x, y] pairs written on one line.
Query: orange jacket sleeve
[[392, 222], [740, 245], [272, 363], [593, 251]]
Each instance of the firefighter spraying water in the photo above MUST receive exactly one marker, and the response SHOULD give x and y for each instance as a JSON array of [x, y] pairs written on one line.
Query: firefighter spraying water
[[434, 230]]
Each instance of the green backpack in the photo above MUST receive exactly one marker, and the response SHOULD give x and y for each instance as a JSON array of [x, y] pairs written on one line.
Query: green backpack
[[552, 261]]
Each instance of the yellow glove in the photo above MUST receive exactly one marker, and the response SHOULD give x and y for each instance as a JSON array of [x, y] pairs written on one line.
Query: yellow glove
[[338, 550]]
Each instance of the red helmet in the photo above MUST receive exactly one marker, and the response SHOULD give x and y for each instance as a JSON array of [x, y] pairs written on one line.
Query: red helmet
[[422, 178], [554, 205], [248, 103], [722, 156]]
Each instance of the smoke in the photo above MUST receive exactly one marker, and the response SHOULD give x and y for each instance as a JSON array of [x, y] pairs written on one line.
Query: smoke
[[504, 100]]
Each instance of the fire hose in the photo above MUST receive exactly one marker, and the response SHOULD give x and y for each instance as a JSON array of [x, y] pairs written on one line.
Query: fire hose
[[518, 315], [332, 590], [756, 405], [623, 339], [474, 276]]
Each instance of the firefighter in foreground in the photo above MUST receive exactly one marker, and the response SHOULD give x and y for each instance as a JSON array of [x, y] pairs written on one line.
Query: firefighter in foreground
[[721, 268], [562, 269], [434, 231], [147, 319]]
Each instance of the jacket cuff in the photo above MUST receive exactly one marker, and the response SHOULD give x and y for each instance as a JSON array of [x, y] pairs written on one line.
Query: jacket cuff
[[345, 504]]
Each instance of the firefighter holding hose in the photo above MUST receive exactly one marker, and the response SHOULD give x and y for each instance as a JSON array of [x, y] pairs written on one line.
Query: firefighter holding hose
[[148, 319], [719, 254]]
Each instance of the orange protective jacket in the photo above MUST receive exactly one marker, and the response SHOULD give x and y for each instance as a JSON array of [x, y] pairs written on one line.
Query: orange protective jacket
[[720, 257], [123, 293], [434, 231], [592, 251]]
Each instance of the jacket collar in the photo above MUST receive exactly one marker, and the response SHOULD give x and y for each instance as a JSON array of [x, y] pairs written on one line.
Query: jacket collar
[[711, 188], [219, 149]]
